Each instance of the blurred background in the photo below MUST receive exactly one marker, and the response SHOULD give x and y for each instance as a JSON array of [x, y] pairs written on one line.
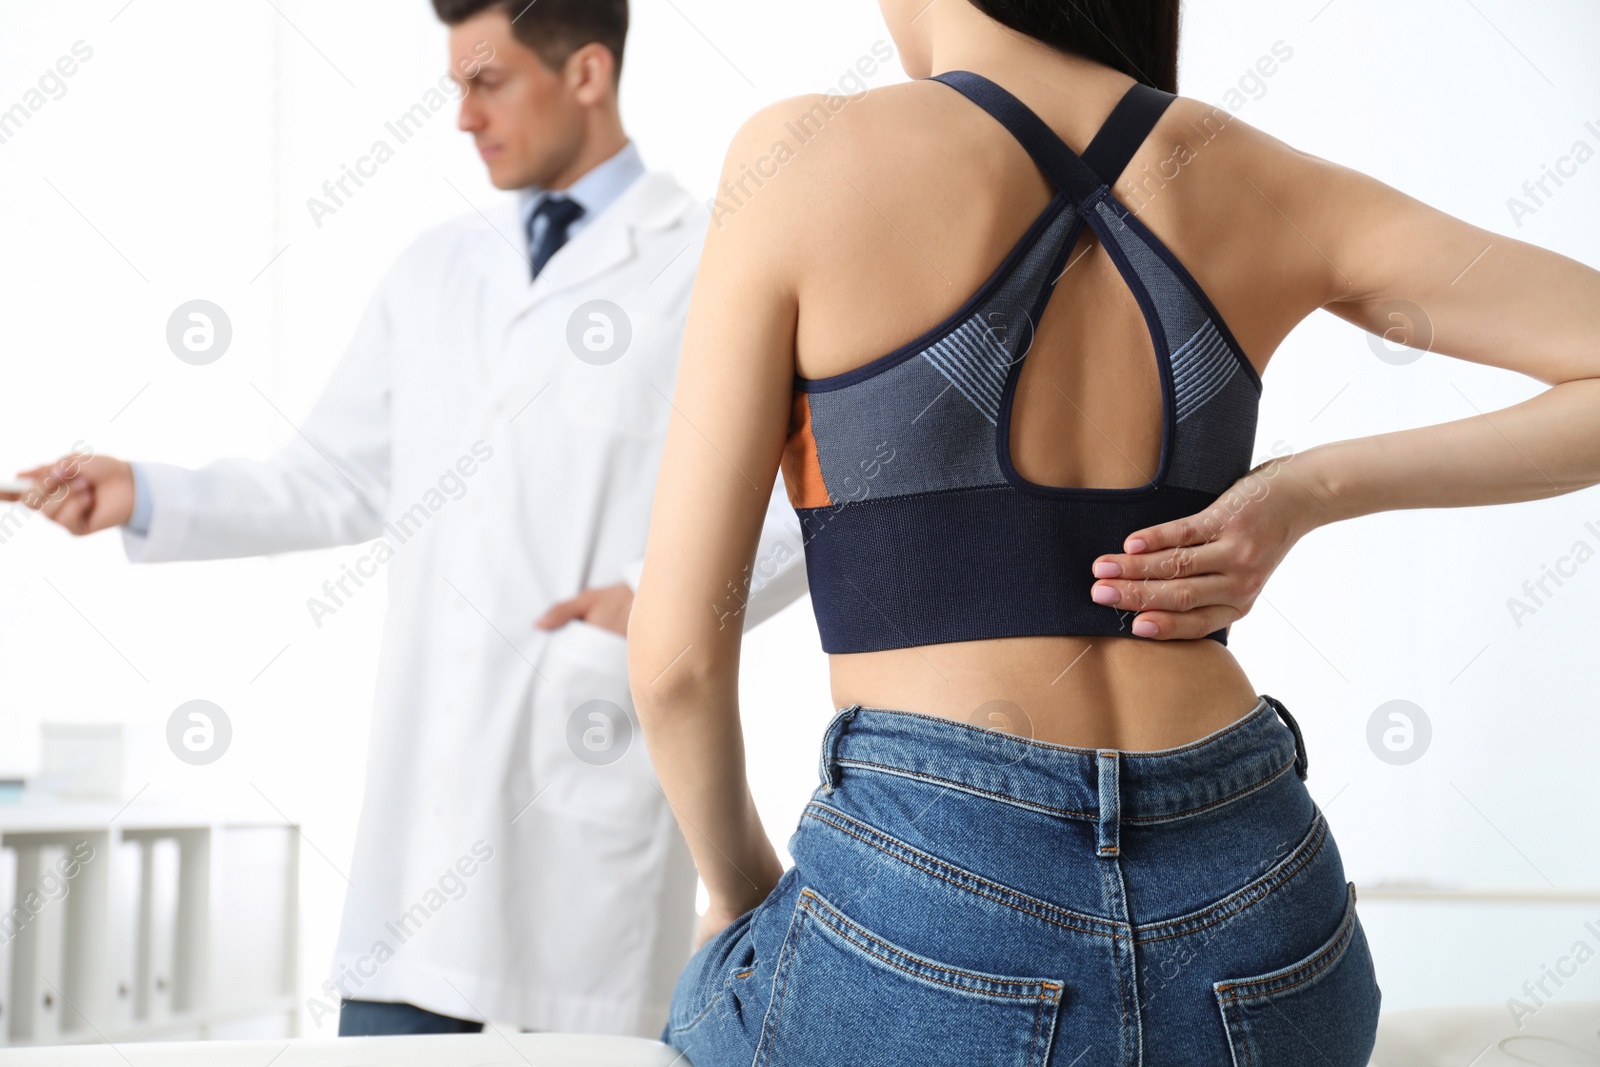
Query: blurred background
[[1440, 661]]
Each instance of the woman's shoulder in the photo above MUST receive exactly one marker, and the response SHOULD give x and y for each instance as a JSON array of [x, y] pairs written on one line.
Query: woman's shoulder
[[811, 166], [811, 127]]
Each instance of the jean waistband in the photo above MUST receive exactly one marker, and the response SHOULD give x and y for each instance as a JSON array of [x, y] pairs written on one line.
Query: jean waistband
[[1108, 786]]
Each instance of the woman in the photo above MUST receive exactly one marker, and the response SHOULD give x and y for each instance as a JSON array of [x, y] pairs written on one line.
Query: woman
[[1056, 823]]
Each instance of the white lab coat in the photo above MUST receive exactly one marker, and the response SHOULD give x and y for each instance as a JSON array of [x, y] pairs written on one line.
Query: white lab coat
[[498, 874]]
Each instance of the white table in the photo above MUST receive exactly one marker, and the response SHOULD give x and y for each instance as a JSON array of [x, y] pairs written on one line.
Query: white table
[[1559, 1035], [423, 1050]]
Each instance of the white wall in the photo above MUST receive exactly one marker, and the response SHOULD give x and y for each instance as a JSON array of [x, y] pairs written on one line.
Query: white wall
[[177, 163], [1457, 104]]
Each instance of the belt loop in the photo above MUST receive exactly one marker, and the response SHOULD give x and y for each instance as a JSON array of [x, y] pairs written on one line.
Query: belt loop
[[1301, 761], [1106, 839], [828, 769]]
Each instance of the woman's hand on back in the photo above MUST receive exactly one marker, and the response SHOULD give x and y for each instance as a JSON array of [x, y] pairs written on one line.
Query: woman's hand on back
[[1187, 578]]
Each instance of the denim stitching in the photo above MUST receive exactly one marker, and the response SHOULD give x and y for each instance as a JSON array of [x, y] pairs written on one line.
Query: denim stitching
[[1230, 798], [1256, 891], [817, 909], [1302, 761], [1236, 902], [1046, 809], [1339, 945], [1038, 1019], [784, 968], [964, 787], [1039, 1044], [692, 1023], [932, 863], [830, 745], [1319, 960], [1122, 984]]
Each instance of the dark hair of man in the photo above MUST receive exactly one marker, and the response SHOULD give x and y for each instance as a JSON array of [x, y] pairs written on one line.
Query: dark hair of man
[[554, 29]]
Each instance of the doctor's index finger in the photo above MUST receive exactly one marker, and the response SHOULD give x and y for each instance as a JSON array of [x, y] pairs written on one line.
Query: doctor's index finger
[[44, 487], [64, 468]]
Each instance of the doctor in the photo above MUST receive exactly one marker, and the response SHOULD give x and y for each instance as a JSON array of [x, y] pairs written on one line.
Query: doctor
[[497, 439]]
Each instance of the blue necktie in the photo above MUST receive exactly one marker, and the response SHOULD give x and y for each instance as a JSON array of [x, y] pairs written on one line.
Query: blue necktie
[[559, 213]]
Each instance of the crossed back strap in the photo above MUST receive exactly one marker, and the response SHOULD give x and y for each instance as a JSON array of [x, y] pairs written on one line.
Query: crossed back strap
[[1078, 177]]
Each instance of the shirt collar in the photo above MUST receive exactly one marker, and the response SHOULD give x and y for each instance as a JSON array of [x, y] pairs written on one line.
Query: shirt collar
[[596, 188]]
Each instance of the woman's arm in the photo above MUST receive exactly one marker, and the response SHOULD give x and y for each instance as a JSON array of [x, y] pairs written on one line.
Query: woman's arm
[[1483, 297], [1385, 260], [729, 422]]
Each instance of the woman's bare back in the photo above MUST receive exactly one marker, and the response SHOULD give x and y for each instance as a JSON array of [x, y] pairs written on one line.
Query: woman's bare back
[[906, 200]]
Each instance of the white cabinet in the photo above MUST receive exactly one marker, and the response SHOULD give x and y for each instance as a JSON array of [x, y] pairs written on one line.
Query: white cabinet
[[165, 926]]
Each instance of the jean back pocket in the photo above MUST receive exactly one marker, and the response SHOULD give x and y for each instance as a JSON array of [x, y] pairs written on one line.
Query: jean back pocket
[[842, 994], [1322, 1010]]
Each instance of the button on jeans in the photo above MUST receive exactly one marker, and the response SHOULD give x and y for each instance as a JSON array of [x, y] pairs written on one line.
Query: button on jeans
[[966, 896]]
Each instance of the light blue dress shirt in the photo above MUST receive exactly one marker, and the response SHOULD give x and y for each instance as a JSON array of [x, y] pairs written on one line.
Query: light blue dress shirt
[[595, 190], [139, 522]]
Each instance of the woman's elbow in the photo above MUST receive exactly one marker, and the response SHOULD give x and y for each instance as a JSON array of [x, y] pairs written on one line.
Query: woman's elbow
[[667, 674]]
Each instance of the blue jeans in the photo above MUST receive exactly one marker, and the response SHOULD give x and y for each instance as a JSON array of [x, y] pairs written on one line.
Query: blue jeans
[[963, 895]]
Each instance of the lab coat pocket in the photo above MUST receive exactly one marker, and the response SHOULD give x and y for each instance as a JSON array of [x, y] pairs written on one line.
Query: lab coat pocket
[[604, 649], [597, 846], [589, 759]]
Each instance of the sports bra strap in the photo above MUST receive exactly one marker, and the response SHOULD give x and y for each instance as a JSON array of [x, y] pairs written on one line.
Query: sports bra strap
[[1125, 129], [1058, 161], [1102, 161]]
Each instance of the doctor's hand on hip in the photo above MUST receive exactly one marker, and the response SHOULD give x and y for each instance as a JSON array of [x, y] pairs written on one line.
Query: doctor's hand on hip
[[82, 493], [605, 605], [1191, 576]]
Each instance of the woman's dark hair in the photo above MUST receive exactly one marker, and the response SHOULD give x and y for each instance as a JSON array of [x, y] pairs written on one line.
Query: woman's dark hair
[[1137, 37], [554, 29]]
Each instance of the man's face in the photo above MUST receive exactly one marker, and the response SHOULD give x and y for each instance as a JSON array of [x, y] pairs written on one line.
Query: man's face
[[525, 118]]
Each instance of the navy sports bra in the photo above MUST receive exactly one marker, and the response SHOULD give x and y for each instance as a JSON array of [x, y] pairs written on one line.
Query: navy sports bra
[[917, 528]]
